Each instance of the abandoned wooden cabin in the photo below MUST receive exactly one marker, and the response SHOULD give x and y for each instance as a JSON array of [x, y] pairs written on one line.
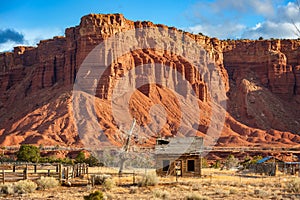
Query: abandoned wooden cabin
[[179, 156]]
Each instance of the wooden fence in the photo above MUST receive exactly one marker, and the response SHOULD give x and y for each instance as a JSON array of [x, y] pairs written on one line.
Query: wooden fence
[[12, 172]]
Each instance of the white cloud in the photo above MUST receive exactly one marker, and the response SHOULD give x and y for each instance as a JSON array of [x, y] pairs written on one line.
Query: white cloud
[[228, 18], [221, 31], [271, 29]]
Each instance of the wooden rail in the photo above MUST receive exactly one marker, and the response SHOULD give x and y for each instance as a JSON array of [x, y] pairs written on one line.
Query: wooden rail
[[14, 172]]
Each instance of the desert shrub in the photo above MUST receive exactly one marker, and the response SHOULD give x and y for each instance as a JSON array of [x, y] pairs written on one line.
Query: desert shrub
[[47, 182], [149, 179], [196, 196], [231, 162], [217, 164], [221, 191], [161, 194], [261, 193], [25, 186], [293, 186], [108, 184], [97, 195], [204, 163], [233, 191], [7, 189], [133, 190], [100, 179]]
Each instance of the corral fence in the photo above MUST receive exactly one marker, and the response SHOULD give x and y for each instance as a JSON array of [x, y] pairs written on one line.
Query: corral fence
[[12, 172]]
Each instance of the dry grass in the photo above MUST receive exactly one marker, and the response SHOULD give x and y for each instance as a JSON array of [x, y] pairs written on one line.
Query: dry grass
[[215, 185]]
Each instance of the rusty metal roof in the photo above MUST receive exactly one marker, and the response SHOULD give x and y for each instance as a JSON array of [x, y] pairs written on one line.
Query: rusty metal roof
[[181, 145]]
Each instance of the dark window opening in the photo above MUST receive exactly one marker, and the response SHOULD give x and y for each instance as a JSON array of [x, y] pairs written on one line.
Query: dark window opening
[[191, 165], [166, 164]]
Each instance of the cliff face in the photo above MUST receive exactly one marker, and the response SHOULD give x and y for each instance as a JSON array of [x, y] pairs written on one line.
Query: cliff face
[[264, 83], [262, 80]]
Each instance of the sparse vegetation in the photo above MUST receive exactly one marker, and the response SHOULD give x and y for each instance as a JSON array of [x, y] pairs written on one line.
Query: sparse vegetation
[[100, 179], [231, 162], [97, 195], [261, 193], [25, 186], [47, 182], [149, 179], [161, 194], [195, 196], [217, 164], [293, 186], [7, 188], [108, 184]]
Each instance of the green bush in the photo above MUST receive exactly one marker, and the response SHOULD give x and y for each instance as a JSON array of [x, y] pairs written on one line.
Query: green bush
[[150, 179], [93, 161], [80, 158], [97, 195], [28, 153], [47, 182], [217, 164], [25, 186]]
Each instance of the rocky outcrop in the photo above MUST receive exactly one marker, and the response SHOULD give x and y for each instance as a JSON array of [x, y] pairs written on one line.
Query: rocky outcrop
[[262, 80], [264, 83]]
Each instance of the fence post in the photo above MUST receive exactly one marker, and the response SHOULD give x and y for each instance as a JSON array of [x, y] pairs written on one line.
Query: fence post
[[73, 171], [60, 172], [26, 172], [77, 170], [49, 172], [14, 168], [133, 178], [35, 168], [87, 169], [67, 177], [93, 180], [3, 176]]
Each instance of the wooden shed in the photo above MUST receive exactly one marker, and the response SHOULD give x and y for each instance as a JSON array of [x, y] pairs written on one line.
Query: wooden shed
[[179, 156]]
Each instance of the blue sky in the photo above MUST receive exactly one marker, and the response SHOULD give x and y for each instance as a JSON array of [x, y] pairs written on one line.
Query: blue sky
[[27, 22]]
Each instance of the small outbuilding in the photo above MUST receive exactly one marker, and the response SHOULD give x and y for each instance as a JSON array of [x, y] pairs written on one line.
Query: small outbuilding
[[271, 165], [179, 156]]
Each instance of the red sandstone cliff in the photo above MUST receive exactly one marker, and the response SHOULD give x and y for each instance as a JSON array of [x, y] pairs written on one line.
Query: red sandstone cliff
[[262, 80]]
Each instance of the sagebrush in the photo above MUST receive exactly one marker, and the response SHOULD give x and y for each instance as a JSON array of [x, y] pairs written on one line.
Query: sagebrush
[[97, 195], [7, 188], [47, 182], [25, 186], [196, 196], [150, 179], [293, 186], [108, 184]]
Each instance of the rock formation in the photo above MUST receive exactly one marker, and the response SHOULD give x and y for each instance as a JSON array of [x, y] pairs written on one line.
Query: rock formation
[[262, 81]]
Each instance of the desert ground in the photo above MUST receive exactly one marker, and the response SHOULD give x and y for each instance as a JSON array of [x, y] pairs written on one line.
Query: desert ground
[[215, 184]]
